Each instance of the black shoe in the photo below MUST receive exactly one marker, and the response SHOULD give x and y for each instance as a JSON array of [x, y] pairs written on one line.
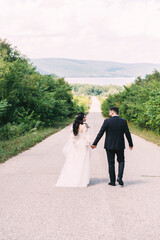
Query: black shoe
[[112, 184], [120, 182]]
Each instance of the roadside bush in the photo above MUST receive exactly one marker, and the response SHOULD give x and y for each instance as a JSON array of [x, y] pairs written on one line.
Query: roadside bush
[[29, 100], [139, 103]]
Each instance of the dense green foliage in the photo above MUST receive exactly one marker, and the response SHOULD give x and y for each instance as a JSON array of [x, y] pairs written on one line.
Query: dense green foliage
[[139, 103], [29, 100], [13, 146], [82, 102], [95, 90]]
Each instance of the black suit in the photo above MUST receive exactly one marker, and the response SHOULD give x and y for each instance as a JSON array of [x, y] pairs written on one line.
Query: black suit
[[115, 128]]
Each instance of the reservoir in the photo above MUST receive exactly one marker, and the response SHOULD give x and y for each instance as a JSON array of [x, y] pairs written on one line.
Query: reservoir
[[102, 80]]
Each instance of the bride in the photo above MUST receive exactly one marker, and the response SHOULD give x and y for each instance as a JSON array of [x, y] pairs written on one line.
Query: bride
[[76, 172]]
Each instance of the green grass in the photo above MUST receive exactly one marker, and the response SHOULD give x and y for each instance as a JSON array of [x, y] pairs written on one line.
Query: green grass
[[12, 147], [101, 99], [84, 101], [146, 134]]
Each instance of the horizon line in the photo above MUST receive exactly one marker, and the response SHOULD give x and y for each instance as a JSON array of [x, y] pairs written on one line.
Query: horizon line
[[75, 59]]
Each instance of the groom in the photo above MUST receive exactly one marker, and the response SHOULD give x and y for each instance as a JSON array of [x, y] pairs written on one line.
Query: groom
[[115, 128]]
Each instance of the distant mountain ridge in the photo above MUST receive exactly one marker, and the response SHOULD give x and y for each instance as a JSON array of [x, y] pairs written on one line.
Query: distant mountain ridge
[[91, 68]]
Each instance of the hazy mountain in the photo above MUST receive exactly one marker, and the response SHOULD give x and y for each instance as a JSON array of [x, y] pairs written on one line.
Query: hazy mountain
[[87, 68]]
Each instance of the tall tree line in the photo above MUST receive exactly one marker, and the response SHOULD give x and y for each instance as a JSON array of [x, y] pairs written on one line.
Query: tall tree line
[[95, 90], [139, 103], [29, 99]]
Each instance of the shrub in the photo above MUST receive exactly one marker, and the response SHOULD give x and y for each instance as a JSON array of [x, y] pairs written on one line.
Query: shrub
[[139, 103]]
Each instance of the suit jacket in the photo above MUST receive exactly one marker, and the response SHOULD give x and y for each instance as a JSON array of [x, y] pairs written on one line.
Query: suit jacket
[[115, 128]]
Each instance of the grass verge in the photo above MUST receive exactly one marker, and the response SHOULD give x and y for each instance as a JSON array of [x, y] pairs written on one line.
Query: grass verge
[[146, 134], [12, 147], [101, 99]]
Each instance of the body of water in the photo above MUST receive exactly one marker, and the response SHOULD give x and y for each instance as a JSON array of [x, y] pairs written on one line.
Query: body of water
[[102, 80]]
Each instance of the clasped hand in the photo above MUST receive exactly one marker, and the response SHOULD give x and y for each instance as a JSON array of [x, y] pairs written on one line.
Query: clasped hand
[[93, 146]]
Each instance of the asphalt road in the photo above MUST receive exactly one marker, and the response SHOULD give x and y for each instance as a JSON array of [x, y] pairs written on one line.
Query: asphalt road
[[32, 208]]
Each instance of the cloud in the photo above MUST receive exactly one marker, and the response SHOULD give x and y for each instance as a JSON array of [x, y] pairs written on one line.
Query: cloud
[[134, 18], [117, 30]]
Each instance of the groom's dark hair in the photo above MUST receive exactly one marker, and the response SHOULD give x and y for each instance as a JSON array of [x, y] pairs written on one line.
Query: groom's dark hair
[[115, 109]]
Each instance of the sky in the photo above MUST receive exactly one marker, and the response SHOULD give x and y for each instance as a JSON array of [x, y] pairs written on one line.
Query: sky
[[125, 31]]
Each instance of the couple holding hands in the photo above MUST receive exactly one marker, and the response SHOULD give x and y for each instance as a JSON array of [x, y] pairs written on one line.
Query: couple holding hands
[[76, 169]]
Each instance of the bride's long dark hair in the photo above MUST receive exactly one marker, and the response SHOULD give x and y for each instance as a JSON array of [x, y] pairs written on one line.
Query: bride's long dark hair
[[77, 122]]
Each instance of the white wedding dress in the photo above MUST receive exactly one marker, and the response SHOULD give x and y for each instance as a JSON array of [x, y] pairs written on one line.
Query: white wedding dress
[[76, 169]]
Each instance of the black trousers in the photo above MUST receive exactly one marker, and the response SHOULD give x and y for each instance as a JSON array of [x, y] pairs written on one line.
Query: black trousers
[[111, 163]]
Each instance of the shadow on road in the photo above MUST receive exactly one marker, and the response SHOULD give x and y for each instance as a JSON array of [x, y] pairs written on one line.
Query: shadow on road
[[135, 182], [95, 181]]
